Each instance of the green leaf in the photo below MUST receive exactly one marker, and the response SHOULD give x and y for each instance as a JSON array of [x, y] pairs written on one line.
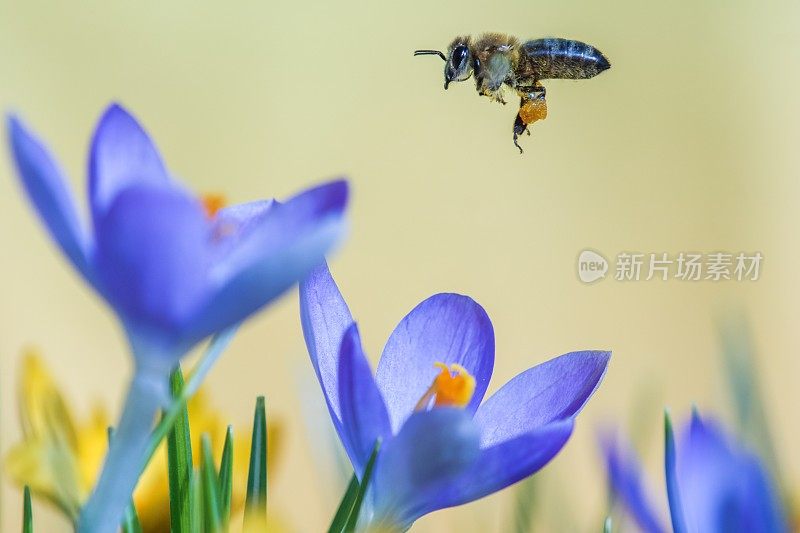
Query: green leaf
[[130, 522], [211, 503], [524, 503], [340, 519], [673, 494], [225, 481], [740, 357], [27, 512], [256, 503], [196, 499], [179, 462], [352, 519], [216, 347], [607, 525]]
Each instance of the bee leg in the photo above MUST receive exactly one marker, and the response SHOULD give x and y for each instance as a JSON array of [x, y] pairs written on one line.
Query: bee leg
[[521, 151], [494, 95], [533, 92], [519, 128], [539, 92]]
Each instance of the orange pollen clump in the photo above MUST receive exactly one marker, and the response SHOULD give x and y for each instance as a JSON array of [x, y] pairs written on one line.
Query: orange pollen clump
[[533, 110], [212, 203], [453, 387]]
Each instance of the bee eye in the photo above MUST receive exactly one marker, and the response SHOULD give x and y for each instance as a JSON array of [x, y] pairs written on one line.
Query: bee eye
[[459, 55]]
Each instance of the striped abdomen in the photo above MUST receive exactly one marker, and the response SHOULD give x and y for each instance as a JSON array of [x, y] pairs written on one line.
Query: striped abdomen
[[561, 59]]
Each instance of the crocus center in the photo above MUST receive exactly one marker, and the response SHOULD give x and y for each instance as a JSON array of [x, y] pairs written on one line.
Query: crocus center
[[212, 203], [452, 387]]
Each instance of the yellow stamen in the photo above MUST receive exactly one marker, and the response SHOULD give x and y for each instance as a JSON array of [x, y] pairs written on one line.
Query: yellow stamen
[[453, 387], [212, 203]]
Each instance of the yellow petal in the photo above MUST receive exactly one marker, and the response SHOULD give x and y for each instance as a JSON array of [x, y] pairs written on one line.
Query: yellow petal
[[46, 458], [92, 448], [43, 411], [49, 471], [272, 524], [61, 461]]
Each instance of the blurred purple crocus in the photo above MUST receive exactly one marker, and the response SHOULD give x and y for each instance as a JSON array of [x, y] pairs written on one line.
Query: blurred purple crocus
[[442, 445], [173, 269], [714, 484]]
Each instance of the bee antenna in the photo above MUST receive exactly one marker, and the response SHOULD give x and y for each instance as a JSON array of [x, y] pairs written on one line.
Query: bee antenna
[[430, 53]]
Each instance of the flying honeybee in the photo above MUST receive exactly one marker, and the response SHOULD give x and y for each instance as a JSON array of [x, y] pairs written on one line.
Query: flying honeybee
[[497, 61]]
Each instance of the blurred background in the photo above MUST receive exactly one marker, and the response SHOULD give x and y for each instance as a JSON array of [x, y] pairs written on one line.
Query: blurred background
[[687, 144]]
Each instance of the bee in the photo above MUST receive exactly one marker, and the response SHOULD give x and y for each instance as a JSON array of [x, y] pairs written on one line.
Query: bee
[[498, 61]]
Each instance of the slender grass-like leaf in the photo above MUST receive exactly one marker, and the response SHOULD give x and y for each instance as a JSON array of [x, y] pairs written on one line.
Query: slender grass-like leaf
[[352, 519], [673, 494], [340, 519], [225, 480], [195, 378], [524, 504], [256, 503], [211, 503], [130, 522], [27, 512], [127, 459], [607, 525], [196, 499], [179, 462], [740, 356]]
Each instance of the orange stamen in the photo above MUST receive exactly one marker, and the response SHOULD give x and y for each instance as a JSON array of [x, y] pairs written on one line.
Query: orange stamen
[[212, 203], [452, 387]]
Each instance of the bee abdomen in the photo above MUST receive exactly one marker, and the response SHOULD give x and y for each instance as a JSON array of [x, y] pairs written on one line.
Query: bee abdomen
[[554, 58]]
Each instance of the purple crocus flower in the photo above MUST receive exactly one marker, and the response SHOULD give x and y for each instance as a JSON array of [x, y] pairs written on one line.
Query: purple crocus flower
[[714, 484], [174, 271], [442, 445], [173, 274]]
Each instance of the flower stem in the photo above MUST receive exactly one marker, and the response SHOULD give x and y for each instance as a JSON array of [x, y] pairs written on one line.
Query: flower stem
[[193, 382], [134, 445], [106, 506]]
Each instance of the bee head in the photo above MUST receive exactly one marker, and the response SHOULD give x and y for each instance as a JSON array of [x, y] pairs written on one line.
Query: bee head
[[459, 62]]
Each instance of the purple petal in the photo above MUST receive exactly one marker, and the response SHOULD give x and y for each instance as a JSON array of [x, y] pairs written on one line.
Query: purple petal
[[121, 155], [47, 190], [625, 480], [152, 259], [236, 222], [554, 390], [325, 319], [248, 233], [364, 416], [722, 487], [501, 465], [432, 449], [276, 253], [447, 328], [764, 513]]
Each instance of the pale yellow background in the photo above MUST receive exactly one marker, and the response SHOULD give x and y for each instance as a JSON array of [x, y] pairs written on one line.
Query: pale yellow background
[[688, 143]]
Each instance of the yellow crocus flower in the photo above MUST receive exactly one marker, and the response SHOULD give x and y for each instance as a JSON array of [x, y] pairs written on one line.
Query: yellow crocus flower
[[60, 459]]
